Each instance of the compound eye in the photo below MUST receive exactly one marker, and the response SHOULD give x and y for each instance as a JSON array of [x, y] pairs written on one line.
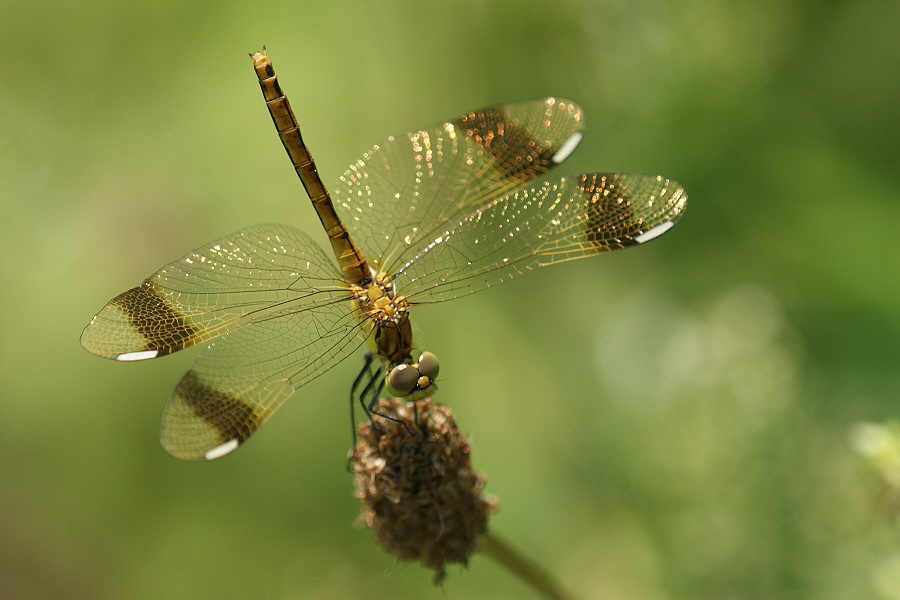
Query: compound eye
[[429, 365], [401, 381]]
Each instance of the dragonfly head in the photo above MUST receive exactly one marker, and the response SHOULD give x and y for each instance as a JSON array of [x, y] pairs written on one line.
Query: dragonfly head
[[414, 380]]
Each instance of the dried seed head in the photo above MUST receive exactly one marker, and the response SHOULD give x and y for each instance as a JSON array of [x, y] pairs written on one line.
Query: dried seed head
[[419, 494]]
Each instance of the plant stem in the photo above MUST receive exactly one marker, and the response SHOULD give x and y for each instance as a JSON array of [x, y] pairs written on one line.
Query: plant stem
[[524, 568]]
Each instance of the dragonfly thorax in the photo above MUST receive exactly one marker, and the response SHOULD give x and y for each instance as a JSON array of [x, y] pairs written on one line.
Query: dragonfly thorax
[[379, 303]]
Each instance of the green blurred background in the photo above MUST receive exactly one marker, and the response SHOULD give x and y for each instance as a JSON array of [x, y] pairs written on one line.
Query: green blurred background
[[698, 418]]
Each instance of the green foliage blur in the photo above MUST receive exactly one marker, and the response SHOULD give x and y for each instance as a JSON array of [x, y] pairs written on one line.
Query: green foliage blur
[[707, 417]]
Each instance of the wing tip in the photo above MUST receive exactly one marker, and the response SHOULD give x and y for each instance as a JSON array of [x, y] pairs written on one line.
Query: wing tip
[[137, 355], [222, 449], [654, 232], [567, 147]]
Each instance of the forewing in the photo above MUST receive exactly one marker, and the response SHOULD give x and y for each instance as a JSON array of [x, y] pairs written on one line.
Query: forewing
[[244, 377], [213, 290], [404, 191], [555, 221]]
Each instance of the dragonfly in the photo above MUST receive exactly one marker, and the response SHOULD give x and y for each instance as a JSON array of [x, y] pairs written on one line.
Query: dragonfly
[[437, 213]]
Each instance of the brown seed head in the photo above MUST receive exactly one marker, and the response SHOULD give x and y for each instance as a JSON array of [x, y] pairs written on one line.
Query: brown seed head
[[419, 493]]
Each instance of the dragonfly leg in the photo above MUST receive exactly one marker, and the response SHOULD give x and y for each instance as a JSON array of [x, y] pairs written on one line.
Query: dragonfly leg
[[372, 391], [368, 396], [364, 374]]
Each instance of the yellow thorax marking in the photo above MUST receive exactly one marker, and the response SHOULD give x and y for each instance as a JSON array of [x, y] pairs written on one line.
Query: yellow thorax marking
[[379, 301]]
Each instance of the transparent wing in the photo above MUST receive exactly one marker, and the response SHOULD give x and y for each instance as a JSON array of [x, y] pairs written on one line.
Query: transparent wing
[[278, 309], [400, 194], [244, 377], [215, 289], [555, 221]]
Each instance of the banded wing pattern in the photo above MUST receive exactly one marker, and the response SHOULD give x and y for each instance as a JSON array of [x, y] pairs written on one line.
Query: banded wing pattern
[[244, 377], [283, 306], [211, 291], [401, 194], [551, 222]]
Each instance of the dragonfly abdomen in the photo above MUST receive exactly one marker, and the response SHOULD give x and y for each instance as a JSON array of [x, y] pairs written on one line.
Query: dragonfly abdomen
[[353, 265]]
